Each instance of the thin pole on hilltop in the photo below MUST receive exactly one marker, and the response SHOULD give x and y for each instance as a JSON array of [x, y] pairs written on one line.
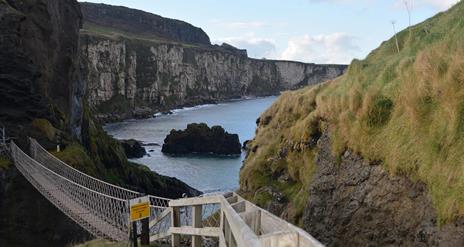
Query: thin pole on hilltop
[[396, 38]]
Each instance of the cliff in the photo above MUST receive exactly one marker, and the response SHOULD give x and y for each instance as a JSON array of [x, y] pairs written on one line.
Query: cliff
[[42, 96], [132, 73], [372, 158], [140, 23]]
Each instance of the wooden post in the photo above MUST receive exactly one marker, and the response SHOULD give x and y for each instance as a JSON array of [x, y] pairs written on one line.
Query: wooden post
[[134, 233], [175, 222], [196, 222], [145, 237], [221, 222], [227, 232], [256, 222]]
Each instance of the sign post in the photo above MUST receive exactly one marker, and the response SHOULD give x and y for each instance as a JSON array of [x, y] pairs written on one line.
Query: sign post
[[140, 210]]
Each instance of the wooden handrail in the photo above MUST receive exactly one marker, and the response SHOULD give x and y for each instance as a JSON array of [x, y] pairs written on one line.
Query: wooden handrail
[[241, 224]]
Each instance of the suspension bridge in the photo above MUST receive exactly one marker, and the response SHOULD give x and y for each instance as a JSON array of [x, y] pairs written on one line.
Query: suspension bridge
[[103, 209]]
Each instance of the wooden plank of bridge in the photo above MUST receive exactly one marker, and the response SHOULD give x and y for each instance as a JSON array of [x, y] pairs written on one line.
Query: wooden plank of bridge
[[194, 201], [77, 211], [188, 230]]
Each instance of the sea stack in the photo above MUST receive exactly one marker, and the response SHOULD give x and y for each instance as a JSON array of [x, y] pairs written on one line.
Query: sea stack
[[201, 139]]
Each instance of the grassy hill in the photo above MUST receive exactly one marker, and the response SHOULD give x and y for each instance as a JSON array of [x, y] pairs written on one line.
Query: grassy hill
[[403, 108]]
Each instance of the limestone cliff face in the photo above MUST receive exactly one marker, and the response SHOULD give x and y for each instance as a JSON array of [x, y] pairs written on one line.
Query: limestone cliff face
[[133, 65], [165, 75]]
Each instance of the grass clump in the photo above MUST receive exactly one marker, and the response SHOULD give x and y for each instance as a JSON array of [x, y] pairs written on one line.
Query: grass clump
[[44, 126], [406, 109], [76, 156], [379, 111], [5, 163]]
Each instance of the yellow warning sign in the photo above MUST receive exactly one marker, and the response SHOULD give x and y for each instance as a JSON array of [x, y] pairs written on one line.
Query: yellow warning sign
[[139, 208]]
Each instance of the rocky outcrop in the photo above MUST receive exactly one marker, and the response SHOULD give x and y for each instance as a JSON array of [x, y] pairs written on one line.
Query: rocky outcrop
[[133, 148], [38, 41], [124, 72], [351, 196], [142, 23], [200, 139], [38, 80]]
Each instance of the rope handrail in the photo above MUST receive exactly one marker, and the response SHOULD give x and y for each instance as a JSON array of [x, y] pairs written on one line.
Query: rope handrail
[[41, 154], [35, 146], [17, 149]]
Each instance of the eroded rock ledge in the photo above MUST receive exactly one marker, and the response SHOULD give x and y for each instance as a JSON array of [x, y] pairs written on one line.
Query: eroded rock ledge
[[354, 202]]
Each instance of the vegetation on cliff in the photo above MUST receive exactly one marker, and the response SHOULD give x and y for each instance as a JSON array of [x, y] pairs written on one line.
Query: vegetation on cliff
[[404, 108], [5, 163]]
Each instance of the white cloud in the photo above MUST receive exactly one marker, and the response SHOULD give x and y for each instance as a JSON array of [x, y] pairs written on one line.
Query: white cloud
[[331, 48], [437, 4], [257, 47]]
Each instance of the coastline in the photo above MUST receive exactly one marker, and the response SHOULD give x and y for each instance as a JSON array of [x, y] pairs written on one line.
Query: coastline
[[178, 109]]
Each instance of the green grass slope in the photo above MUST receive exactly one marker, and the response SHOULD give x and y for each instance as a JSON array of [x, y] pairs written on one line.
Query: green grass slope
[[405, 109]]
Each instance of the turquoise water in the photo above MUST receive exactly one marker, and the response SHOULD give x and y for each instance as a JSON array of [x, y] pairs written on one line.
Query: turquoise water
[[208, 174]]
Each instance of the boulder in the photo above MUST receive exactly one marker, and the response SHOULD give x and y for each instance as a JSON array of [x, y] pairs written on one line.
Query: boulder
[[142, 112], [133, 148], [201, 139]]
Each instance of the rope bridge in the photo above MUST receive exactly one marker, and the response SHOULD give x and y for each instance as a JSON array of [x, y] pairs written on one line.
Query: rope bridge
[[103, 209], [99, 207]]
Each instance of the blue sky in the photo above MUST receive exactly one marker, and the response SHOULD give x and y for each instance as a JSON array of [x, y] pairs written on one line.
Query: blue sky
[[319, 31]]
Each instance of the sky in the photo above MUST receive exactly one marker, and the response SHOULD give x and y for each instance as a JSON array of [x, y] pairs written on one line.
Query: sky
[[316, 31]]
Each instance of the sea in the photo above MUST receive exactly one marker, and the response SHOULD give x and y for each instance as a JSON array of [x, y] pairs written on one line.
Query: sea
[[209, 174]]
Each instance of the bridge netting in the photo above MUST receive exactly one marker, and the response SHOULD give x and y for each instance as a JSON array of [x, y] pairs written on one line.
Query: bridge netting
[[99, 207]]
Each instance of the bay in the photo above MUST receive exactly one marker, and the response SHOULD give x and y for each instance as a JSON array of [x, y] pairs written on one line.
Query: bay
[[205, 173]]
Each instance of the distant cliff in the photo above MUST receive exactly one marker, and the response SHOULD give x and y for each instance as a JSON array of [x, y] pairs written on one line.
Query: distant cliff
[[133, 21], [129, 73]]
